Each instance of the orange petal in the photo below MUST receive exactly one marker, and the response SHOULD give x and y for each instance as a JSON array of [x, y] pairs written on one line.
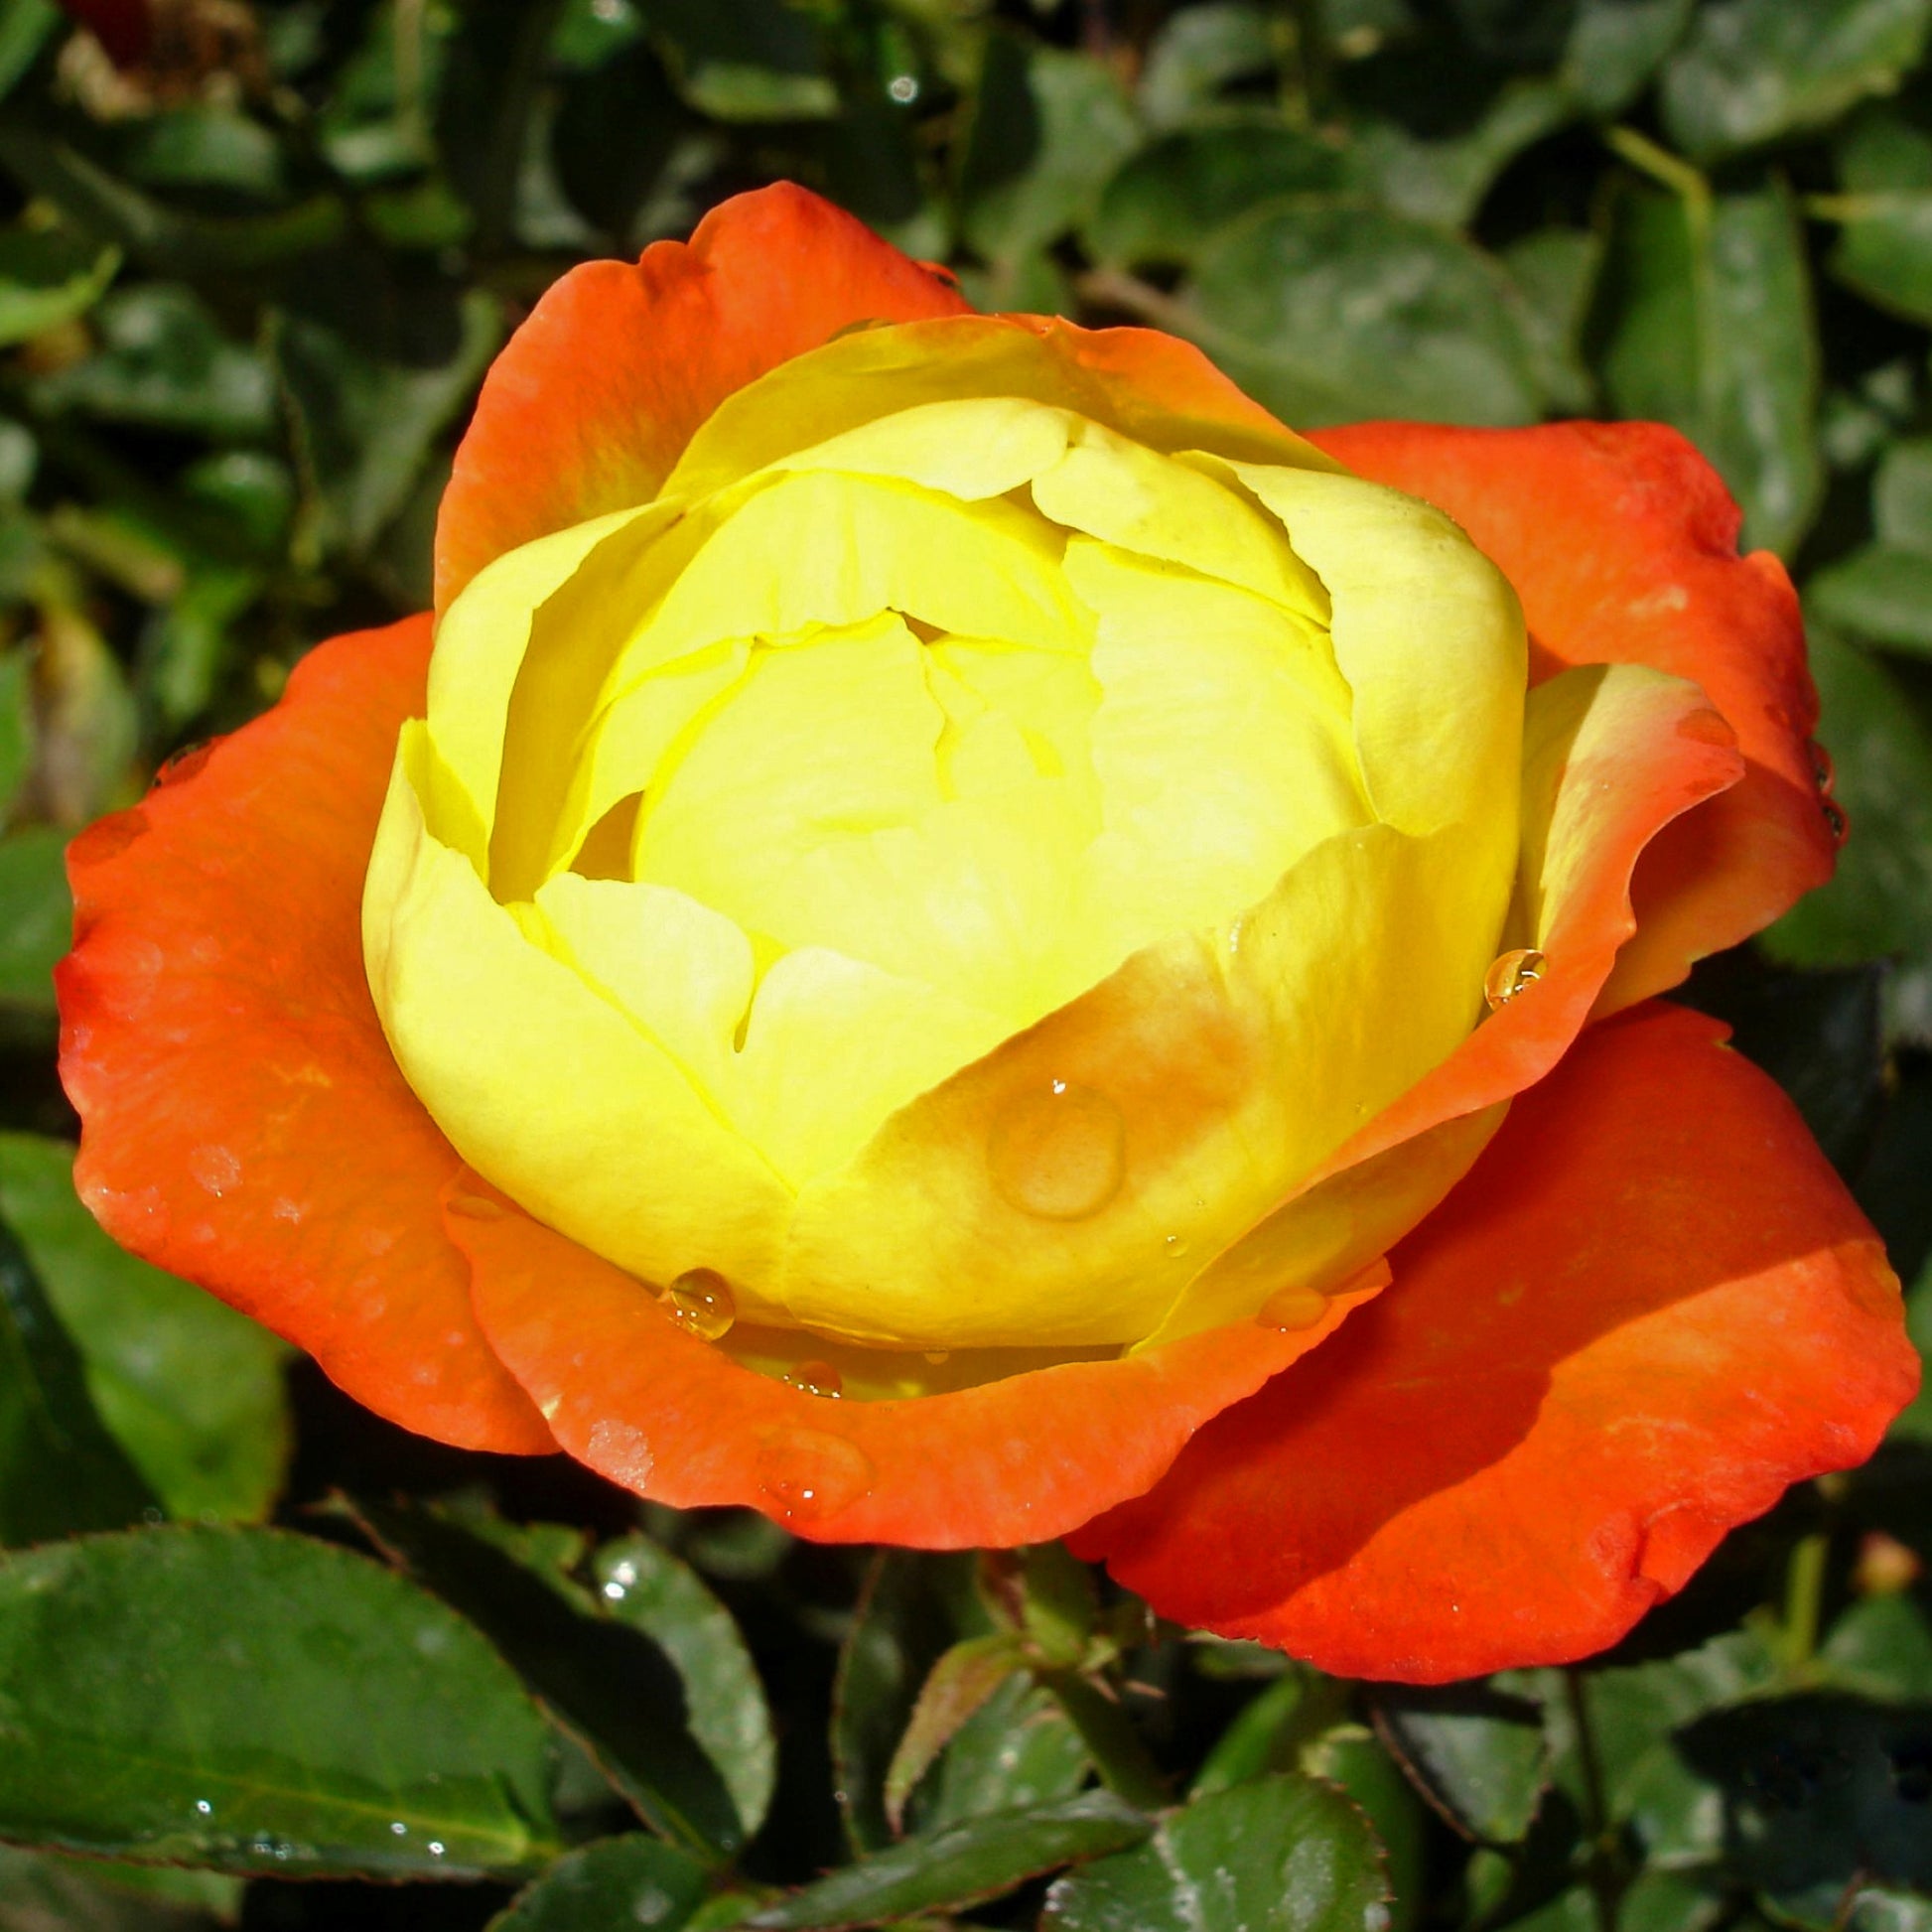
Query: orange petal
[[1622, 544], [1650, 1307], [656, 1408], [243, 1122], [593, 398]]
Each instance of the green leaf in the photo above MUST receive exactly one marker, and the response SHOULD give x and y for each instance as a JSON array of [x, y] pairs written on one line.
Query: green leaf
[[190, 1389], [1048, 131], [1283, 1854], [36, 916], [1881, 1646], [1914, 1422], [1018, 1750], [608, 1684], [978, 1858], [59, 1469], [1615, 47], [1334, 314], [1712, 329], [1354, 1758], [753, 61], [1446, 179], [43, 1891], [619, 1884], [1875, 1908], [258, 1702], [164, 363], [645, 1585], [204, 146], [1881, 593], [1880, 899], [16, 729], [1198, 51], [47, 277], [1554, 273], [1755, 71], [1884, 246], [1166, 204], [901, 1625], [365, 427], [956, 1687], [24, 29], [1818, 1789], [1478, 1755]]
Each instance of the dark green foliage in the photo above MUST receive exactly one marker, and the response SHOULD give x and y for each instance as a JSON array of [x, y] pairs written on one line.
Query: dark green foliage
[[245, 302]]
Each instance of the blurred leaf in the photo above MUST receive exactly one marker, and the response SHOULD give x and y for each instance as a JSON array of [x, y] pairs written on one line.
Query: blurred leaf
[[1885, 248], [1914, 1425], [752, 60], [1048, 130], [956, 1687], [1330, 315], [36, 916], [1881, 1646], [1881, 594], [83, 716], [165, 363], [1018, 1750], [1876, 1909], [1615, 47], [1478, 1755], [1198, 51], [16, 734], [206, 147], [609, 1684], [190, 1389], [1880, 899], [177, 1694], [59, 1469], [46, 278], [365, 427], [1166, 202], [899, 1629], [1658, 1901], [1281, 1854], [616, 1885], [24, 29], [645, 1585], [1711, 327], [1445, 181], [251, 491], [1754, 71], [978, 1858], [1554, 272], [43, 1891], [188, 641], [1818, 1790], [18, 459]]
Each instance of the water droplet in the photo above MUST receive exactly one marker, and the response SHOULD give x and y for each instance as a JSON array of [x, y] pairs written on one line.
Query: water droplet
[[806, 1475], [1291, 1308], [399, 1827], [1835, 823], [615, 1592], [701, 1300], [1822, 770], [622, 1452], [152, 1517], [1059, 1153], [436, 1848], [1511, 974], [184, 764], [817, 1378], [1174, 1245], [1706, 728], [623, 1573], [937, 1355], [108, 838], [203, 1807], [476, 1207], [903, 88], [216, 1168]]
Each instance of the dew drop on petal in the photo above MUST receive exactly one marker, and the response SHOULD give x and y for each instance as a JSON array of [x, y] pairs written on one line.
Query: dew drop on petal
[[1511, 974], [1292, 1307], [1058, 1153], [937, 1355], [476, 1207], [1822, 770], [701, 1300], [1836, 822], [806, 1475], [1174, 1246], [184, 764], [817, 1378]]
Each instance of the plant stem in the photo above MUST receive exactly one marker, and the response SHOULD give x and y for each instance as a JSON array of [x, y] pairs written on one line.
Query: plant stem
[[1125, 1766]]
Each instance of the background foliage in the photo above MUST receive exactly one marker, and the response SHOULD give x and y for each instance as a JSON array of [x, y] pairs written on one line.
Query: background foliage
[[248, 284]]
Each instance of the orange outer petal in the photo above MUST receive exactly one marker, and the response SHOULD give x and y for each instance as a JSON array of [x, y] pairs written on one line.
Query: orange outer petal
[[593, 398], [243, 1123], [1649, 1307], [667, 1414], [1622, 544]]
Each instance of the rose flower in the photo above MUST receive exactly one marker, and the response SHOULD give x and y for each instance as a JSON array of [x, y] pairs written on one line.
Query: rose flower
[[953, 934]]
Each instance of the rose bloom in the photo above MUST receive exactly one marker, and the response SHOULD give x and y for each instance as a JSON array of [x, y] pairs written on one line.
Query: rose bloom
[[953, 934]]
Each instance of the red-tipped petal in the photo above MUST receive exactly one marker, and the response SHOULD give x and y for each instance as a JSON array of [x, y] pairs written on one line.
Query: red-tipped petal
[[243, 1122], [592, 400], [1650, 1309], [1622, 544]]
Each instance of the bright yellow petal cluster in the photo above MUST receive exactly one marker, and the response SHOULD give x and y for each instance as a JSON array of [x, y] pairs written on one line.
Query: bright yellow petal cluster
[[955, 867]]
